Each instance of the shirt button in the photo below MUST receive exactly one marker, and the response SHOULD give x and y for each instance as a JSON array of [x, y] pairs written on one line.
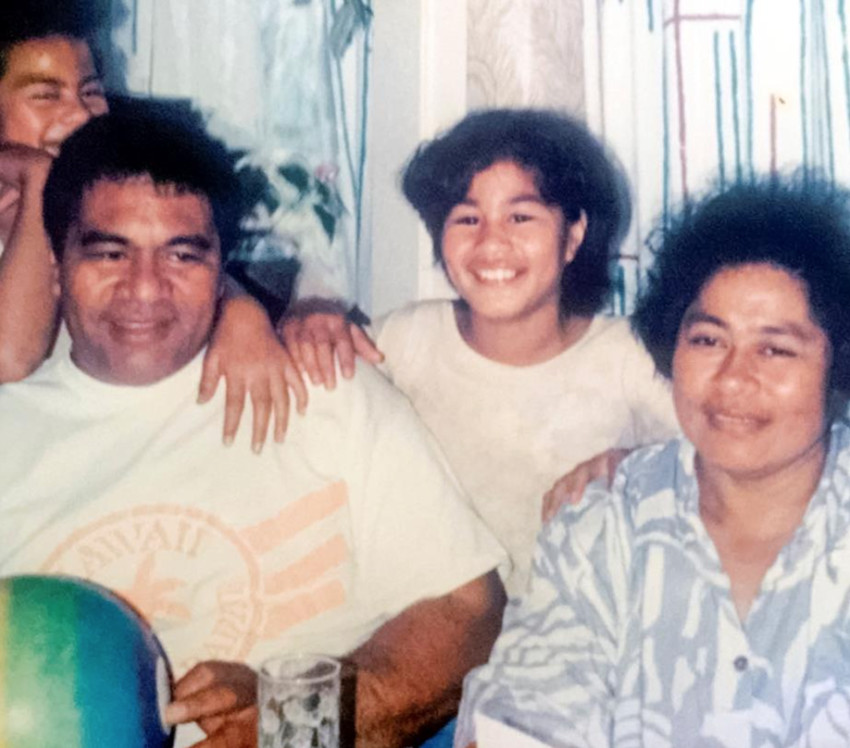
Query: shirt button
[[741, 663]]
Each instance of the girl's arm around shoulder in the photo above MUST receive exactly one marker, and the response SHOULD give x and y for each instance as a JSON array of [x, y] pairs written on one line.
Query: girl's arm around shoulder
[[317, 333], [246, 353]]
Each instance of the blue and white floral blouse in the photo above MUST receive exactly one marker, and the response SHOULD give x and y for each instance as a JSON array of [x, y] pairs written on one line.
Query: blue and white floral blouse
[[628, 636]]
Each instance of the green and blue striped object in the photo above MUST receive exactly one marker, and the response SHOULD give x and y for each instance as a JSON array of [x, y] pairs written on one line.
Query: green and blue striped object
[[79, 668]]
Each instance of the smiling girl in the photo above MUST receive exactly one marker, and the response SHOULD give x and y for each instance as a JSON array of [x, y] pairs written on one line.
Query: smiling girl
[[520, 378]]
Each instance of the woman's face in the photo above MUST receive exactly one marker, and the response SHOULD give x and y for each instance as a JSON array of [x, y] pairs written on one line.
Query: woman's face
[[750, 372]]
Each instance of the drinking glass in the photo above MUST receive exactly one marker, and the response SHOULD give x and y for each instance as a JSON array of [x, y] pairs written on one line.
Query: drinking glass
[[298, 697]]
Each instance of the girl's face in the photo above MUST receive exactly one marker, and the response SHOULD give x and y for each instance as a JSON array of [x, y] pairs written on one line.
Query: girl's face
[[504, 248]]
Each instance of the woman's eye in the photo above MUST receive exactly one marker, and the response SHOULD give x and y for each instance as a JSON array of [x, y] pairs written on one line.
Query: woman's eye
[[771, 350], [465, 221]]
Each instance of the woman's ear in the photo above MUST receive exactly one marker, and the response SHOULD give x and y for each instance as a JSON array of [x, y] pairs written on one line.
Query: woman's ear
[[575, 236]]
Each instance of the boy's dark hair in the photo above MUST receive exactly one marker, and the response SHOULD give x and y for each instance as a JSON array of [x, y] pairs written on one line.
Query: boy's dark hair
[[800, 223], [570, 166], [165, 141], [22, 20]]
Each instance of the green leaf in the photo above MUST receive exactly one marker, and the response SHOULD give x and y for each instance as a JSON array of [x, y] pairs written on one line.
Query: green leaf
[[327, 219], [271, 199], [297, 176], [254, 183]]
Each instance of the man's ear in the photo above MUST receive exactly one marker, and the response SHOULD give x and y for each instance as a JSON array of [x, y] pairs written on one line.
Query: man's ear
[[575, 236]]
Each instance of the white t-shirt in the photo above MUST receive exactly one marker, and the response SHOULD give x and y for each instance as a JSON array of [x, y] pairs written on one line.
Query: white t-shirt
[[310, 546], [510, 432]]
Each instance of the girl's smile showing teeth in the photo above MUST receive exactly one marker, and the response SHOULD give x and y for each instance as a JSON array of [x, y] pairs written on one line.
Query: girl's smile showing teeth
[[495, 275], [504, 249]]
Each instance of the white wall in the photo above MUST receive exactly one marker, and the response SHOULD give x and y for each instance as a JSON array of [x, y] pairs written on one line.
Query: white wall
[[432, 60], [417, 87]]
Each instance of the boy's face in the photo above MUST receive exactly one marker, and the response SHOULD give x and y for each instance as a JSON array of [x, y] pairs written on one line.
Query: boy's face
[[49, 89], [504, 248]]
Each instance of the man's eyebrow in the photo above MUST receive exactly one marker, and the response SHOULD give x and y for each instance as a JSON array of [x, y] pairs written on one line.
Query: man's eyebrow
[[93, 236], [32, 79], [198, 241], [93, 78]]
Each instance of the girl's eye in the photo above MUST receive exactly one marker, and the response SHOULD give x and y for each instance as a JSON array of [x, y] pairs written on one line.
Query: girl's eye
[[521, 218], [702, 340], [465, 220]]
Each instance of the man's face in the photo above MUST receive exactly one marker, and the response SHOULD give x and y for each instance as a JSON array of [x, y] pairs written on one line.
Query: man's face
[[49, 89], [140, 280]]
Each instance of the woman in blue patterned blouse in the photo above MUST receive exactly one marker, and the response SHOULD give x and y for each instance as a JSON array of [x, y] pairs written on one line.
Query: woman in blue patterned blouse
[[705, 599]]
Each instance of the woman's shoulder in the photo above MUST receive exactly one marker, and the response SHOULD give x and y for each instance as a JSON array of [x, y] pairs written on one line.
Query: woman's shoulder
[[655, 482]]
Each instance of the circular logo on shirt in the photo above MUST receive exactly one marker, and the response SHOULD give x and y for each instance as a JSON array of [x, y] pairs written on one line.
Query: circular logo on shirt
[[196, 580]]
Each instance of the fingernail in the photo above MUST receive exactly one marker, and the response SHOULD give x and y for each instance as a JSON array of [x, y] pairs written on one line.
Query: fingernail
[[175, 713], [257, 447], [228, 440]]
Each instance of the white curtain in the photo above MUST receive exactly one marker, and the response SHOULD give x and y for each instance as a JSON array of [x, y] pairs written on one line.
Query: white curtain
[[278, 78], [694, 92]]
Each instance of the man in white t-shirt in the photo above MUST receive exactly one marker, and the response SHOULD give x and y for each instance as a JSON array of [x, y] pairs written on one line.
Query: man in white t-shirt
[[351, 538]]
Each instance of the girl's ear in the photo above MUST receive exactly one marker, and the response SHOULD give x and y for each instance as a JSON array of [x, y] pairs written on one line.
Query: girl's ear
[[575, 236]]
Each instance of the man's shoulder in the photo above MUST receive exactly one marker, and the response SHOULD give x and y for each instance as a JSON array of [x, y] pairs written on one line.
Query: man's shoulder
[[368, 396], [652, 481], [34, 390], [641, 479]]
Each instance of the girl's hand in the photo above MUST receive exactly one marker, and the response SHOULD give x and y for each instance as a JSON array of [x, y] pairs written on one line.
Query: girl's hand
[[246, 352], [315, 330], [570, 488]]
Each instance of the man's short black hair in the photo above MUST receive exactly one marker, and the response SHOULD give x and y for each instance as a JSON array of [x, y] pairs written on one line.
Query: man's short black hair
[[23, 20], [799, 223], [165, 141], [570, 166]]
